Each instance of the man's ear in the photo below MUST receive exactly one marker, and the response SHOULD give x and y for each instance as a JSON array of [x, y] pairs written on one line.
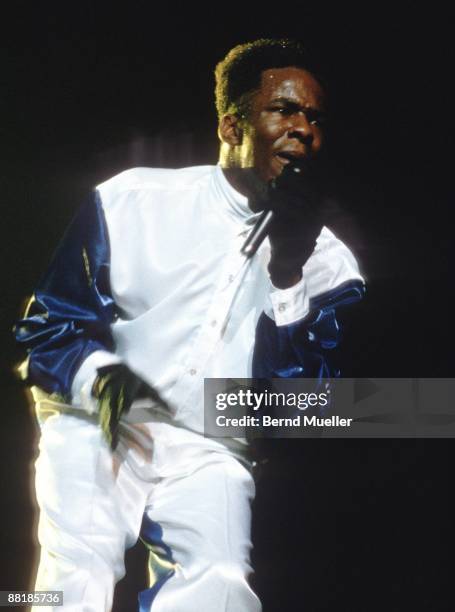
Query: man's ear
[[230, 131]]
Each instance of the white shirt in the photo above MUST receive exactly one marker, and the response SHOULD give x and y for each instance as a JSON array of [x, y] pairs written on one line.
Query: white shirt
[[189, 300]]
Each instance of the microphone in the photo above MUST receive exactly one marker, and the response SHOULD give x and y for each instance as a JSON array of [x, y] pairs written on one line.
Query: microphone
[[262, 226]]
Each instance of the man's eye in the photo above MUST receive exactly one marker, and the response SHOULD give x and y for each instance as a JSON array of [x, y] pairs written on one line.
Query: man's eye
[[280, 109], [313, 118], [316, 119]]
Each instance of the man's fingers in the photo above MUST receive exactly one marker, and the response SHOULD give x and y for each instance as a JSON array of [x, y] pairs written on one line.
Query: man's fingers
[[104, 419], [114, 435], [116, 388]]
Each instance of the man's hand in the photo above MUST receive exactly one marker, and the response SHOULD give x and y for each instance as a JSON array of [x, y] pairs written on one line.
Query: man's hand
[[115, 388], [297, 203]]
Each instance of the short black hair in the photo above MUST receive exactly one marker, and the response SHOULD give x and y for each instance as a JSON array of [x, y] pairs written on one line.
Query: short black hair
[[238, 75]]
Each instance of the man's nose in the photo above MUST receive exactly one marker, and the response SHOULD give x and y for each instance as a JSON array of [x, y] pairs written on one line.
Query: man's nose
[[301, 129]]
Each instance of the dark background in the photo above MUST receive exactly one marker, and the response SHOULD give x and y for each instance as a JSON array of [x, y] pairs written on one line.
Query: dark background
[[89, 90]]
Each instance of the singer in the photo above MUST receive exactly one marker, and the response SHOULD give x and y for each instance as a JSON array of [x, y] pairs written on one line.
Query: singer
[[151, 290]]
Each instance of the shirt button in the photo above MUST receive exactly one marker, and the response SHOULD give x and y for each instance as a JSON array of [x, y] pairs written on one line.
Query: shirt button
[[214, 323], [231, 278], [281, 307], [193, 371]]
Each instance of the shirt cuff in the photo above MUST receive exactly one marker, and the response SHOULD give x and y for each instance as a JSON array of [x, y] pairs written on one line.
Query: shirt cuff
[[289, 305], [81, 389]]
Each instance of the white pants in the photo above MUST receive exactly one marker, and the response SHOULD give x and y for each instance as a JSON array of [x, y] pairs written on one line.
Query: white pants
[[186, 496]]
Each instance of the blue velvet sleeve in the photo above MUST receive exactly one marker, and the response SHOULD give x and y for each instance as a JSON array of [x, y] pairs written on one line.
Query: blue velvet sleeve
[[305, 348], [70, 313]]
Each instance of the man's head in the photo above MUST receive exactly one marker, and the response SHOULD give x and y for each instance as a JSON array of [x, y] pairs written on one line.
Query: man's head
[[270, 107]]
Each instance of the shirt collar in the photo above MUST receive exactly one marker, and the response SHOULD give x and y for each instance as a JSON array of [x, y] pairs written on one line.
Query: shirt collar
[[236, 204]]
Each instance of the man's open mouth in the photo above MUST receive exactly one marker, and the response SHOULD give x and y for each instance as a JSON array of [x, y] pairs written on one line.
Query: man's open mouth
[[287, 157]]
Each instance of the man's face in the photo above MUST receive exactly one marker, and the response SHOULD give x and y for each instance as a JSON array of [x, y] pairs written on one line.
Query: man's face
[[284, 122]]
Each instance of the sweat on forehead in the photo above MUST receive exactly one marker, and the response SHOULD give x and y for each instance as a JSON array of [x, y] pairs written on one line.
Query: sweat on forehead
[[292, 83]]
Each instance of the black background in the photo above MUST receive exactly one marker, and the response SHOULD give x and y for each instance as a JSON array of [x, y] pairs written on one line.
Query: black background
[[89, 89]]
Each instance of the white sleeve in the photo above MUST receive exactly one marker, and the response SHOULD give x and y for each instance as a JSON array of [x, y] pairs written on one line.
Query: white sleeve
[[330, 265], [288, 305]]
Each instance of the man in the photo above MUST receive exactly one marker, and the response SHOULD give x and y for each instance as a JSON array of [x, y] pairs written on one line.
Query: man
[[149, 294]]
